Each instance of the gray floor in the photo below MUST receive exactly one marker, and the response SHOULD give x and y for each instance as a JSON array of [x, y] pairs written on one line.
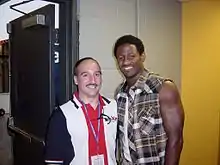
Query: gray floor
[[5, 143]]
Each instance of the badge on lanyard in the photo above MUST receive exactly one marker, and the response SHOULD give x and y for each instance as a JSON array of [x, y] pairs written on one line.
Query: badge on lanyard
[[97, 160]]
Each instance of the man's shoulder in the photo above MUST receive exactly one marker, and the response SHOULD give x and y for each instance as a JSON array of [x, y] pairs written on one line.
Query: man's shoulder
[[155, 81], [57, 114], [66, 104], [153, 76], [108, 100], [69, 107], [110, 106]]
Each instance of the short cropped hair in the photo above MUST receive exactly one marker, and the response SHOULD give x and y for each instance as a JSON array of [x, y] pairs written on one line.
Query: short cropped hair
[[129, 39], [80, 61]]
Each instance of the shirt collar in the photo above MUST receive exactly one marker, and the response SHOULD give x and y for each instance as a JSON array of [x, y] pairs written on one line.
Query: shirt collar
[[140, 83], [79, 102]]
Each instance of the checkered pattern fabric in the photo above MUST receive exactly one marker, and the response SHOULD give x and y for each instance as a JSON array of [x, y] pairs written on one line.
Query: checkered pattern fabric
[[146, 135]]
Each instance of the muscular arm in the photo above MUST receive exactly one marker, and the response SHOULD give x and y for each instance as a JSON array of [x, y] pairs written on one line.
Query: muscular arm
[[173, 120]]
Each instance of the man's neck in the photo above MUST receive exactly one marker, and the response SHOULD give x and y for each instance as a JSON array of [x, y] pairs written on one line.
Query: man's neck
[[131, 81], [93, 101]]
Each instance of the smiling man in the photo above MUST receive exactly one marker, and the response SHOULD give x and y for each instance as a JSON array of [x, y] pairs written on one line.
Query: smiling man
[[150, 112], [83, 130]]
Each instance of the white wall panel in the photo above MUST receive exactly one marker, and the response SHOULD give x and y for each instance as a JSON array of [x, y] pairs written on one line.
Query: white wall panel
[[101, 23], [160, 29]]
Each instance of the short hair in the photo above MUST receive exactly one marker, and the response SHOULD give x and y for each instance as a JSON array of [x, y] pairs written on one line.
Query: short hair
[[80, 61], [129, 39]]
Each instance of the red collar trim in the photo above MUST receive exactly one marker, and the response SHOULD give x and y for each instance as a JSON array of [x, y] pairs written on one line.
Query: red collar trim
[[102, 103]]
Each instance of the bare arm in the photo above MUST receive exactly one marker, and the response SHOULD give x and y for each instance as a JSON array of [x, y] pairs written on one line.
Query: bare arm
[[173, 120]]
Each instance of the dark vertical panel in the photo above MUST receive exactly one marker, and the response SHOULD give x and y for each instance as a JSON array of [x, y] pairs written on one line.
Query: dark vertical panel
[[32, 60], [69, 39], [32, 83]]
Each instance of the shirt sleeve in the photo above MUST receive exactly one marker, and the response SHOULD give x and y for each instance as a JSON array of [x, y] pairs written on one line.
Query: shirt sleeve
[[58, 145]]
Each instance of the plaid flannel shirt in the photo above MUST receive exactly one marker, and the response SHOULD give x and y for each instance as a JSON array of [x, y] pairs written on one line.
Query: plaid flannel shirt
[[146, 135]]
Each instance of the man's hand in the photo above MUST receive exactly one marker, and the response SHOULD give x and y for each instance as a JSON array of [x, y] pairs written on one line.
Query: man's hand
[[173, 120]]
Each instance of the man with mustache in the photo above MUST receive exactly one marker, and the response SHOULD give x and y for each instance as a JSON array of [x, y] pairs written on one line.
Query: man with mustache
[[83, 130], [150, 112]]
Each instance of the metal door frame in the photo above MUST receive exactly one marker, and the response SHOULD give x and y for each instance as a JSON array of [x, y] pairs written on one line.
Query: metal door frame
[[69, 44]]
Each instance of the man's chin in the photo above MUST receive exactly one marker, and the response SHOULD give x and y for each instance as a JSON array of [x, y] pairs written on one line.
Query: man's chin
[[93, 96], [128, 76], [93, 93]]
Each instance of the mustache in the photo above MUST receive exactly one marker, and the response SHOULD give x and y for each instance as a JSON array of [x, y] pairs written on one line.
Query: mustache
[[92, 84]]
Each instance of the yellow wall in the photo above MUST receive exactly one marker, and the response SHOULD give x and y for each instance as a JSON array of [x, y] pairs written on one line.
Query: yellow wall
[[201, 81]]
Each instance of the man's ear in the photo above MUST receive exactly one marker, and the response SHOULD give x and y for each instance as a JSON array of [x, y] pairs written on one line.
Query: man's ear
[[143, 57], [75, 80]]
